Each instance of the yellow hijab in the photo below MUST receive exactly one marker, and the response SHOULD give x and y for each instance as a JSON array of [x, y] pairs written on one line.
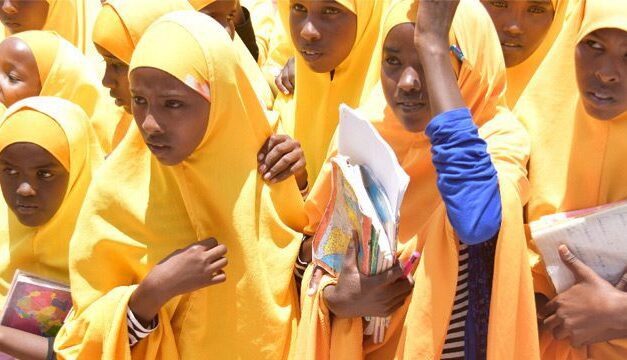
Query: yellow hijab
[[419, 328], [312, 115], [576, 161], [119, 26], [65, 73], [139, 211], [63, 129], [252, 70], [518, 76]]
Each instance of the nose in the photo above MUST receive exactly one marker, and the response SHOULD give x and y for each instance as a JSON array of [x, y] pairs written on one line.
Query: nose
[[25, 189], [8, 7], [409, 80], [309, 32], [512, 29], [151, 126], [108, 80], [607, 73]]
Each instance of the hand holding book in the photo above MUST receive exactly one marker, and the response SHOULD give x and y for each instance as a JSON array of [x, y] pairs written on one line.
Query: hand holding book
[[359, 295]]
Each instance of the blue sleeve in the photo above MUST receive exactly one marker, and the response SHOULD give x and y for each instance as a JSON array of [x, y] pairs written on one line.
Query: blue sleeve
[[467, 180]]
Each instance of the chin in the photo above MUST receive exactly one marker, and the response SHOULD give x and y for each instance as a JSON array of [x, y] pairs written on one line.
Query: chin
[[318, 67], [602, 113], [30, 221]]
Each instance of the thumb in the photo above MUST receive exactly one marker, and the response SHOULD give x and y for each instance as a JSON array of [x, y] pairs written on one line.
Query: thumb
[[580, 270], [315, 281], [350, 258], [622, 283]]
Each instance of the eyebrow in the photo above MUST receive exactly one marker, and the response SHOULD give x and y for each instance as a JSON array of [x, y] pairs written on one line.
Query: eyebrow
[[391, 49]]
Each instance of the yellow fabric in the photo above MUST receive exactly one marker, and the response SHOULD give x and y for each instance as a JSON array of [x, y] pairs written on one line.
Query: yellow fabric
[[139, 211], [519, 76], [312, 115], [70, 76], [120, 23], [44, 250], [576, 161], [418, 329], [35, 127]]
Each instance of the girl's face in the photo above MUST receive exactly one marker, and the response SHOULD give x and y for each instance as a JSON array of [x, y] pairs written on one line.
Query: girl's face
[[323, 32], [521, 25], [116, 79], [33, 182], [402, 79], [222, 11], [601, 67], [23, 15], [171, 116], [19, 75]]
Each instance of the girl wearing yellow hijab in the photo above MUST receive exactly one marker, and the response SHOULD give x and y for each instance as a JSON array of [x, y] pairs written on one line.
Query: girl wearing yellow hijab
[[497, 308], [42, 63], [119, 26], [575, 110], [48, 155], [171, 185], [72, 19], [334, 42], [527, 30]]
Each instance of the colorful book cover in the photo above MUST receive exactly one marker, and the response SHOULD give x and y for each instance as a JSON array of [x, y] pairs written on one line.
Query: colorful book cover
[[36, 305]]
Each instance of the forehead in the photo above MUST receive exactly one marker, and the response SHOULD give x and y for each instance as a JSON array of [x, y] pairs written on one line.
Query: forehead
[[28, 155], [16, 49], [400, 38], [152, 79], [220, 6]]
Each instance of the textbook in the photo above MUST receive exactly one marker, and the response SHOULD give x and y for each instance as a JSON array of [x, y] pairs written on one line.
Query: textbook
[[368, 185], [595, 235], [36, 305]]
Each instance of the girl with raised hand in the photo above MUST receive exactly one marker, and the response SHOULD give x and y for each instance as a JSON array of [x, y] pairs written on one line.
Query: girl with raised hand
[[119, 26], [182, 178], [48, 156], [575, 110], [441, 107], [527, 30], [42, 63]]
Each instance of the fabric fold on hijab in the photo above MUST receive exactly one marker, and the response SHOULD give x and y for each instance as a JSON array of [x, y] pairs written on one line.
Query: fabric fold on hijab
[[419, 328], [581, 167], [139, 211], [63, 129]]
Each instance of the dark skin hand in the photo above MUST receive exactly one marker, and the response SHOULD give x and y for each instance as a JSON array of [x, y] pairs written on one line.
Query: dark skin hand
[[281, 157], [185, 270], [591, 311], [23, 345], [358, 295], [285, 81]]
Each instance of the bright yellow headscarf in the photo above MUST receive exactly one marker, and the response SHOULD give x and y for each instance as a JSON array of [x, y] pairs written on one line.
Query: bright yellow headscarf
[[64, 72], [312, 115], [518, 76], [119, 26], [252, 70], [419, 328], [139, 211], [280, 45], [576, 161], [63, 129]]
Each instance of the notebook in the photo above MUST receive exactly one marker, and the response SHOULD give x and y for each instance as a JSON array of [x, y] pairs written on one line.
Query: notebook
[[597, 236], [36, 305], [368, 185]]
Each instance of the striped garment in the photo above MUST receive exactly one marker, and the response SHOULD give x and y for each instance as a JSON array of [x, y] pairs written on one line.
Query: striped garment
[[454, 343]]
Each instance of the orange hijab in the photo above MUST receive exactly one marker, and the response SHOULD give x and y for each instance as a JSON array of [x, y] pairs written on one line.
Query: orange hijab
[[419, 328], [518, 76], [581, 167]]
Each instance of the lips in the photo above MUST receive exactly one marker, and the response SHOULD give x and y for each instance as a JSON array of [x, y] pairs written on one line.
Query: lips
[[410, 105], [511, 45], [11, 24], [158, 149], [600, 97], [310, 54], [26, 209]]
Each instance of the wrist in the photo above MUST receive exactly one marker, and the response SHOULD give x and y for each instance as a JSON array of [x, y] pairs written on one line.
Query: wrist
[[431, 45], [147, 299], [620, 312]]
